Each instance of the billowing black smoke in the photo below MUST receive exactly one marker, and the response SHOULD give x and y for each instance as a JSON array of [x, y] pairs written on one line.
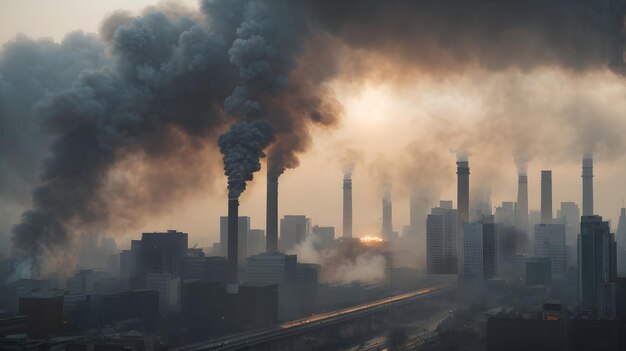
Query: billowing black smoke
[[164, 74], [242, 147]]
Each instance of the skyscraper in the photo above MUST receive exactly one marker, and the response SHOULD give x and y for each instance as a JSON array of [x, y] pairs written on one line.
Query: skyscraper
[[549, 242], [569, 215], [596, 265], [546, 196], [441, 240], [620, 237], [387, 227], [293, 230], [479, 250], [163, 253]]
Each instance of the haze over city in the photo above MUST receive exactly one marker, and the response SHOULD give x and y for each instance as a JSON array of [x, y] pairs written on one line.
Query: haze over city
[[123, 119]]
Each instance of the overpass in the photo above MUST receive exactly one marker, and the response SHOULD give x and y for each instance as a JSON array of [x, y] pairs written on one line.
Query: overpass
[[288, 329]]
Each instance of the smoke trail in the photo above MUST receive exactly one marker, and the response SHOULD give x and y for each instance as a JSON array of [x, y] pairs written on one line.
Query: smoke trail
[[242, 146]]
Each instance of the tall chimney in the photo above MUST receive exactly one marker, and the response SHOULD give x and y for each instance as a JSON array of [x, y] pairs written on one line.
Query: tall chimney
[[462, 192], [387, 215], [271, 224], [546, 196], [347, 208], [521, 209], [587, 186], [233, 240]]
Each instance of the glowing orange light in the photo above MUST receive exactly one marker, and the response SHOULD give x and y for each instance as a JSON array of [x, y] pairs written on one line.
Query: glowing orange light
[[371, 239]]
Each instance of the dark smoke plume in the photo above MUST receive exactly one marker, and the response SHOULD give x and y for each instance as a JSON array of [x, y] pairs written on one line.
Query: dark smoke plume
[[242, 147]]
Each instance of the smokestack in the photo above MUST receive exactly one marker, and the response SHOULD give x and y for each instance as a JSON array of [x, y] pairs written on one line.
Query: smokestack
[[588, 186], [347, 208], [546, 196], [521, 210], [233, 240], [271, 224], [462, 192], [387, 224]]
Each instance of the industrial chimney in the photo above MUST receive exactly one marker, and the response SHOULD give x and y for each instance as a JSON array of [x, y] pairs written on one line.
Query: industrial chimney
[[271, 224], [387, 215], [546, 197], [347, 208], [587, 187], [233, 240], [463, 172], [521, 209]]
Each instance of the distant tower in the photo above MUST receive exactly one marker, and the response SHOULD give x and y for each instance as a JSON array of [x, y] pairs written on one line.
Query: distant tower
[[521, 210], [347, 208], [546, 197], [463, 172], [587, 187]]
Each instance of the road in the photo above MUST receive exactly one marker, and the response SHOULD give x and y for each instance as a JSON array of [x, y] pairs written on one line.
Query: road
[[252, 338]]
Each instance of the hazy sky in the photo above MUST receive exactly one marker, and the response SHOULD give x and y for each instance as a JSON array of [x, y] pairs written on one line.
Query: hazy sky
[[387, 122]]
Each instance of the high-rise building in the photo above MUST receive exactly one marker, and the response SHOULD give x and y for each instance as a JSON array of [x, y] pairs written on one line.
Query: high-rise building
[[416, 232], [549, 242], [569, 215], [505, 213], [479, 250], [163, 252], [597, 265], [243, 230], [168, 288], [441, 240], [507, 237], [256, 242], [521, 207], [620, 237], [293, 230], [326, 235], [276, 268]]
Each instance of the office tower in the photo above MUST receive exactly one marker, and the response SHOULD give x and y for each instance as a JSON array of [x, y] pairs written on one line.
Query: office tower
[[596, 265], [587, 186], [272, 212], [479, 250], [387, 228], [569, 215], [521, 209], [546, 196], [243, 231], [347, 208], [293, 230], [325, 235], [256, 242], [462, 201], [549, 242], [505, 213], [163, 252], [507, 237], [441, 240], [620, 237], [276, 268], [168, 288], [417, 227]]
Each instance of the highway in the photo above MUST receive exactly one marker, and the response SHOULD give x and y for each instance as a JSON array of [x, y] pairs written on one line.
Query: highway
[[260, 336]]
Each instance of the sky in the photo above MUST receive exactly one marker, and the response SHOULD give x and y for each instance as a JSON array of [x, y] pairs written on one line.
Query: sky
[[391, 124]]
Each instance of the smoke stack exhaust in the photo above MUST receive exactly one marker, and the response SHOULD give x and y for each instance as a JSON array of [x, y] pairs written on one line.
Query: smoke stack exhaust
[[521, 210], [233, 240], [587, 186], [546, 196], [463, 172], [347, 208], [271, 224]]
